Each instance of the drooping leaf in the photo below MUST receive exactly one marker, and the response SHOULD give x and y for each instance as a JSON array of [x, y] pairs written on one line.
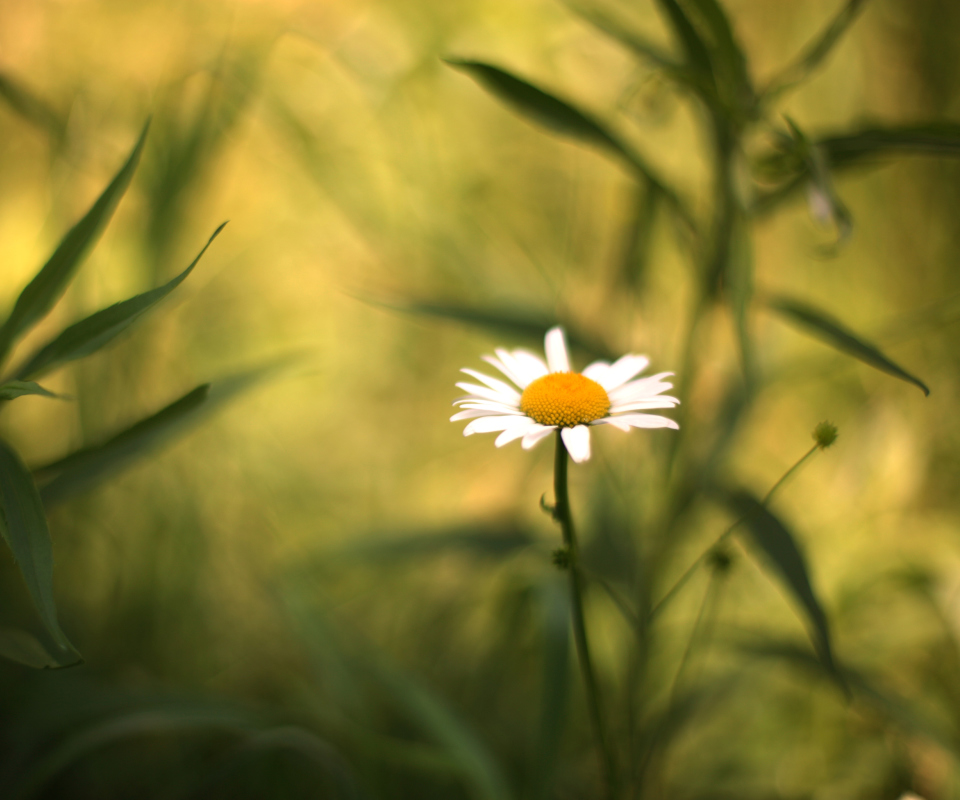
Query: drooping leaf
[[541, 107], [836, 334], [90, 334], [815, 53], [46, 287], [12, 389], [564, 118], [24, 527], [858, 148], [88, 466], [825, 204], [779, 545], [25, 648]]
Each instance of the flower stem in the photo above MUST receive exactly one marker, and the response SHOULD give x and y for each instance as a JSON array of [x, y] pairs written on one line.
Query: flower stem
[[564, 516]]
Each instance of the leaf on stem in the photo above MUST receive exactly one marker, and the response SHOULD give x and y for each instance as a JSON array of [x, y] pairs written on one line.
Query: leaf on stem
[[770, 534], [24, 527], [541, 107], [51, 281], [30, 106], [88, 466], [12, 389], [837, 335], [90, 334], [26, 649], [817, 51]]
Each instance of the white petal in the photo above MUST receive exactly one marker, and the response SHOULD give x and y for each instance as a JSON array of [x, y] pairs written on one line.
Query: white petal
[[489, 394], [596, 370], [493, 383], [622, 370], [514, 432], [470, 412], [535, 434], [660, 401], [577, 441], [487, 405], [627, 421], [639, 389], [506, 367], [529, 367], [491, 424], [556, 350]]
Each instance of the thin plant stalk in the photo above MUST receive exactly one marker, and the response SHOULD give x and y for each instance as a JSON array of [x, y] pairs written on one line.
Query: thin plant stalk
[[681, 582], [564, 516]]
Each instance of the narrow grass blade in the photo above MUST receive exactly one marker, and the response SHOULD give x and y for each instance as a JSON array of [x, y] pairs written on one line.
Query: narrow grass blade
[[25, 530], [541, 107], [837, 335], [30, 106], [12, 389], [90, 334], [815, 53], [46, 287], [777, 542], [89, 466]]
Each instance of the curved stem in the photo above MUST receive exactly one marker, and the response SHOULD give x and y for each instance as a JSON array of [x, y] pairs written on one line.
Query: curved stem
[[564, 516]]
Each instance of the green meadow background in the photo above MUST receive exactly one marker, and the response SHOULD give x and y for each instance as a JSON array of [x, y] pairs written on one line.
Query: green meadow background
[[318, 587]]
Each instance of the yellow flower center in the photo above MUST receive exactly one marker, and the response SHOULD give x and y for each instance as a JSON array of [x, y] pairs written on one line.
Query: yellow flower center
[[564, 399]]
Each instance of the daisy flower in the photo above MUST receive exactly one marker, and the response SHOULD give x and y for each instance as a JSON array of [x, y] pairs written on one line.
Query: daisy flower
[[550, 396]]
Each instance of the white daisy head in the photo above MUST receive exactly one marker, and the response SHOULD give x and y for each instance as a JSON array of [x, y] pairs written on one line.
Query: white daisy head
[[549, 396]]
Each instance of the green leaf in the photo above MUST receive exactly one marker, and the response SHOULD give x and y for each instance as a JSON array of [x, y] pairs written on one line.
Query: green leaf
[[12, 389], [815, 54], [90, 334], [540, 107], [46, 287], [25, 530], [867, 146], [779, 545], [837, 335], [88, 466], [31, 107], [694, 48], [563, 118], [730, 63], [25, 648]]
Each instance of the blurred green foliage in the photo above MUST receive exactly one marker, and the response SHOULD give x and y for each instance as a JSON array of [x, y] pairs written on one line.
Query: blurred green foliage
[[323, 590]]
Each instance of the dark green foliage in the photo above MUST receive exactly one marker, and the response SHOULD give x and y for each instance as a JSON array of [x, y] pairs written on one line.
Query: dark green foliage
[[837, 335], [45, 289]]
